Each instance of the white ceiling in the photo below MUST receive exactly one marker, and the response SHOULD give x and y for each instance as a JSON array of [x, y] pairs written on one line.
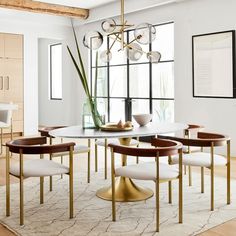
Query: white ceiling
[[87, 4]]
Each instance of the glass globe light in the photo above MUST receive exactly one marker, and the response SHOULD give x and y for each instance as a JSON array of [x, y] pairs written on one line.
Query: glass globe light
[[93, 40], [108, 25], [106, 56], [145, 33], [154, 56], [134, 52]]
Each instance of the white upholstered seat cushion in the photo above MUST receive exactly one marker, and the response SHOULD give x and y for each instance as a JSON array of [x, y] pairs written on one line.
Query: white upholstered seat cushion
[[77, 149], [39, 167], [200, 159], [192, 149], [101, 142], [4, 125], [147, 171]]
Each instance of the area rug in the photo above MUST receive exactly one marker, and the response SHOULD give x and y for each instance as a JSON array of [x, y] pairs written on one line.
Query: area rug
[[93, 215]]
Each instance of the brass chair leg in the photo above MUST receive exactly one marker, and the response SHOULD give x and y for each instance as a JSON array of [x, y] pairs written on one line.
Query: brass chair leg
[[50, 157], [21, 191], [41, 186], [50, 178], [71, 184], [137, 158], [113, 186], [185, 169], [228, 173], [96, 156], [157, 187], [62, 164], [180, 188], [89, 157], [169, 183], [7, 182], [202, 179], [212, 177], [105, 161], [189, 176], [41, 190], [170, 191]]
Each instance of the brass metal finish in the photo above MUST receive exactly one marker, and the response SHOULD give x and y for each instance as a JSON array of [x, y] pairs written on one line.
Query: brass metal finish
[[190, 175], [169, 183], [105, 160], [122, 23], [202, 179], [212, 176], [125, 189], [89, 157], [61, 158], [180, 187], [137, 158], [50, 157], [157, 185], [21, 189], [71, 166], [41, 185], [96, 156], [113, 186], [7, 182], [228, 172]]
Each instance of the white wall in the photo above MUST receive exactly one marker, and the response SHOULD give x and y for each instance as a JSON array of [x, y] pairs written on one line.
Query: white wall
[[192, 17], [35, 26]]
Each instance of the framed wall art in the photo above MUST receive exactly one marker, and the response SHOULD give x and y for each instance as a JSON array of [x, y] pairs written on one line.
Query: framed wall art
[[213, 65]]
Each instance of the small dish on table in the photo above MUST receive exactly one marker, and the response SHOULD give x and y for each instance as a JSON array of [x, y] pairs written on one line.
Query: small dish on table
[[114, 127], [142, 119]]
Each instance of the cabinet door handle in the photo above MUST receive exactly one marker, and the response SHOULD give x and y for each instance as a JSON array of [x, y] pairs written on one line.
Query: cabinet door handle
[[1, 82], [8, 83]]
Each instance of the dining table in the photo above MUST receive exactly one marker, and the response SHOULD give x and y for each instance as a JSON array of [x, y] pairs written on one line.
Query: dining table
[[126, 189]]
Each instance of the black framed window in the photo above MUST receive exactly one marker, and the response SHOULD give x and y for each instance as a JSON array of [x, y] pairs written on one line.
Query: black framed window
[[126, 87], [55, 71]]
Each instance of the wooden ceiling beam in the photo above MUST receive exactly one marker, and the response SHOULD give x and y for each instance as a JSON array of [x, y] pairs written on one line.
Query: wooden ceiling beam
[[40, 7]]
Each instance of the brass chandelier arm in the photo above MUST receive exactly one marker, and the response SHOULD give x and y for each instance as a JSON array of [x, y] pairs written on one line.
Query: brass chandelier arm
[[129, 46], [117, 35], [123, 23]]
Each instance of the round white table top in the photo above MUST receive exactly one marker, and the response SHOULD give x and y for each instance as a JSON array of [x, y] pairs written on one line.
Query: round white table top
[[138, 131]]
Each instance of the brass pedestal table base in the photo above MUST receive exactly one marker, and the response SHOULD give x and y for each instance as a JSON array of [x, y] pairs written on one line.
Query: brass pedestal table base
[[125, 189]]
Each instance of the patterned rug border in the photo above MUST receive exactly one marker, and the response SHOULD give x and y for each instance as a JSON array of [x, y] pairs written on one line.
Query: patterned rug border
[[35, 184]]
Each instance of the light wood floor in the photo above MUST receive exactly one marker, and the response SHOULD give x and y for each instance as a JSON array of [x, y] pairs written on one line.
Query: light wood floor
[[226, 229]]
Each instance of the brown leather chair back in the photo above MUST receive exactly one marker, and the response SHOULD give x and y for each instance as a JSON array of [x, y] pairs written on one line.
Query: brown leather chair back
[[36, 145]]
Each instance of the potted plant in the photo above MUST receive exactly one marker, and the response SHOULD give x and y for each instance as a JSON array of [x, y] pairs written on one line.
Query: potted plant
[[79, 66]]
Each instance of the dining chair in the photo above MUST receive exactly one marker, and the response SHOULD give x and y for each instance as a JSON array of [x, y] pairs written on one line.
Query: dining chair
[[36, 167], [206, 159], [5, 123], [78, 149], [189, 132], [105, 143], [154, 171]]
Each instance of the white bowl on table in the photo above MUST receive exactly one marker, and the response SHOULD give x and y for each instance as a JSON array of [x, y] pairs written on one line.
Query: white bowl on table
[[142, 119]]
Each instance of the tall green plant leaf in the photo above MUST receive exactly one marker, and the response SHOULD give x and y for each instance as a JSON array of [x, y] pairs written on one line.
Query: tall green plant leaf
[[82, 79]]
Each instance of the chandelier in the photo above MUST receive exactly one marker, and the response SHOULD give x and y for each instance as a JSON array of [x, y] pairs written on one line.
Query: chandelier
[[144, 34]]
